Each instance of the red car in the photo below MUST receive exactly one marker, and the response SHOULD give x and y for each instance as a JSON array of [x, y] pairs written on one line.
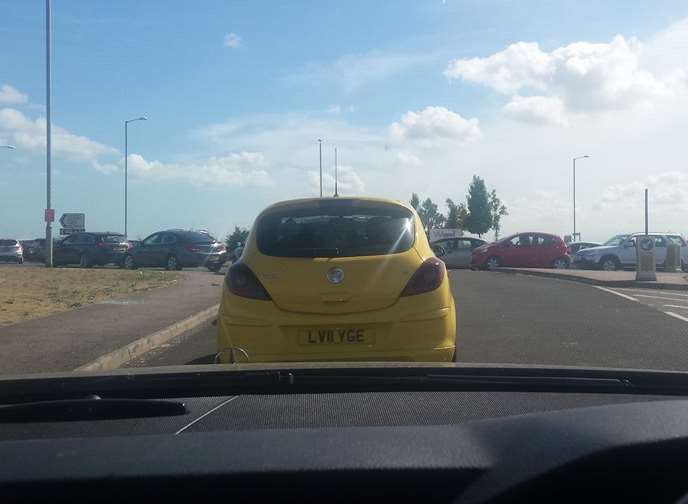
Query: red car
[[523, 250]]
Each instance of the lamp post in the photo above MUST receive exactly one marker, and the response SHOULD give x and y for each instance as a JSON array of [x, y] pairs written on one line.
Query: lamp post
[[574, 193], [126, 167], [320, 157]]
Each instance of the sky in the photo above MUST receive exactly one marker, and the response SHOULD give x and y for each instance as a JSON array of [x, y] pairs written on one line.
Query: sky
[[417, 96]]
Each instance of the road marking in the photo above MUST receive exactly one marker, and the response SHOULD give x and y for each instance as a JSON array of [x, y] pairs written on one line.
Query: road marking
[[676, 306], [676, 315], [614, 292], [205, 414], [672, 293], [660, 297]]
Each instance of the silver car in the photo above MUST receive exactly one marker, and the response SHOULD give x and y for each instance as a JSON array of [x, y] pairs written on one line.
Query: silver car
[[456, 252], [11, 250], [619, 252]]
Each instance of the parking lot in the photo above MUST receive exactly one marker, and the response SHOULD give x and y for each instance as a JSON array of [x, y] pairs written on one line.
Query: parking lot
[[518, 319]]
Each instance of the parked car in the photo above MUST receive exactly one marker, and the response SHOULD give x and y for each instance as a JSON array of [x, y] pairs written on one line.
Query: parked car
[[523, 250], [574, 247], [456, 252], [90, 249], [619, 252], [236, 253], [175, 249], [11, 250]]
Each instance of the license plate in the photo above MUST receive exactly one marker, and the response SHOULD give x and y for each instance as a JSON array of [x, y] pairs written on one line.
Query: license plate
[[337, 336]]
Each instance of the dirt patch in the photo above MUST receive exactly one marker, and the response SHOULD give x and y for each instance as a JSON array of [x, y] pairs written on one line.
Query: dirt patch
[[27, 293]]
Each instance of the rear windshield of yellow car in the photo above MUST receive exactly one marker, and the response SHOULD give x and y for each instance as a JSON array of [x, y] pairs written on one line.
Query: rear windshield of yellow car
[[336, 228]]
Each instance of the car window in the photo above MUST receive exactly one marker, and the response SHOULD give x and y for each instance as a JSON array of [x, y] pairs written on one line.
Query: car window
[[168, 239], [112, 238], [336, 228], [7, 243], [525, 240], [193, 237], [463, 244], [70, 240], [660, 241], [153, 239], [617, 240], [543, 240], [86, 239], [677, 240], [630, 242]]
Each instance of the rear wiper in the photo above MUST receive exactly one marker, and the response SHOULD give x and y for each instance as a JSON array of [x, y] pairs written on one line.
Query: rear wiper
[[92, 407]]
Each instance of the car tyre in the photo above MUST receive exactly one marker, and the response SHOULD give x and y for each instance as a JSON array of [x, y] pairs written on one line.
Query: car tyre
[[129, 262], [561, 263], [215, 268], [492, 262], [172, 263], [609, 263]]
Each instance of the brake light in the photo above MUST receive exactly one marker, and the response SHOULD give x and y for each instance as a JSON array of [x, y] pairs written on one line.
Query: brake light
[[426, 278], [241, 281]]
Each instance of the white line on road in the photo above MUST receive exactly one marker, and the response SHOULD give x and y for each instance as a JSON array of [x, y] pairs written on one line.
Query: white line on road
[[676, 315], [676, 306], [665, 291], [660, 297], [614, 292]]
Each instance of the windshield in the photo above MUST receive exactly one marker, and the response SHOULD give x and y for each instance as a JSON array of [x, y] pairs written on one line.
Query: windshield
[[310, 183], [617, 240]]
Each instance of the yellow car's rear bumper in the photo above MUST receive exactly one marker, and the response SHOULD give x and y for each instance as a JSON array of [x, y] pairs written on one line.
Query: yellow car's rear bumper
[[413, 329]]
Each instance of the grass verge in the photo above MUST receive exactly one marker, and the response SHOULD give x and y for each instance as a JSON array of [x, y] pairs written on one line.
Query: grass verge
[[27, 293]]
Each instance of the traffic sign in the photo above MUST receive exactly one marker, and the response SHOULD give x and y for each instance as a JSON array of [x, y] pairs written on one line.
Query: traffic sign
[[73, 221], [49, 215]]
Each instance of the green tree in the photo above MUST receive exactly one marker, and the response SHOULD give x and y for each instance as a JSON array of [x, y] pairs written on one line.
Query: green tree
[[415, 201], [497, 211], [456, 215], [233, 239], [479, 218], [430, 216]]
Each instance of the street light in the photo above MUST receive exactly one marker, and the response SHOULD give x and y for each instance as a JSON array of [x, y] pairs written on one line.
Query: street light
[[574, 193], [320, 157], [126, 166]]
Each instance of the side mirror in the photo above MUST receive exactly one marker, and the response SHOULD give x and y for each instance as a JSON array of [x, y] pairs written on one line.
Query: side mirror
[[439, 251]]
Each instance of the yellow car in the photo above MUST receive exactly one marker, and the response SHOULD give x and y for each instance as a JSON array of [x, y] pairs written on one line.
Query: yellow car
[[337, 279]]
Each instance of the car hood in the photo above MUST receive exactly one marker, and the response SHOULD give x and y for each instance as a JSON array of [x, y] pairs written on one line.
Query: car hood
[[601, 248]]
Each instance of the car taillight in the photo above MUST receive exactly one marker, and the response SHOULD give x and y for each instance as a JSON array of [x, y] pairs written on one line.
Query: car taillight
[[241, 281], [427, 278]]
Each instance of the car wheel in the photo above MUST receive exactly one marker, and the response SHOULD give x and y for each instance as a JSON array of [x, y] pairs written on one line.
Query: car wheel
[[129, 262], [684, 266], [172, 263], [492, 263], [83, 261], [560, 263], [609, 264], [214, 268]]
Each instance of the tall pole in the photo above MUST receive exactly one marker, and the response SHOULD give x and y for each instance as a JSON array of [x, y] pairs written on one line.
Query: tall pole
[[646, 216], [574, 199], [126, 175], [320, 155], [574, 193], [48, 136], [336, 194]]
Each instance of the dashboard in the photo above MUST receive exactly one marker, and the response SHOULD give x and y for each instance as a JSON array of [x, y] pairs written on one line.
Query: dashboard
[[436, 446]]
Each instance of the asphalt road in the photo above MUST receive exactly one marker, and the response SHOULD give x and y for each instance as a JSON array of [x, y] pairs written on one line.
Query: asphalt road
[[507, 318]]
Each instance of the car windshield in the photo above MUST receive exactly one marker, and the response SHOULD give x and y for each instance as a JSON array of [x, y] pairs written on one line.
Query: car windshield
[[336, 228], [617, 240], [295, 184]]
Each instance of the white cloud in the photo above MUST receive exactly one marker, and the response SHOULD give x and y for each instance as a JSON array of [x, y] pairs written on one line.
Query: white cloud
[[434, 124], [537, 110], [11, 96], [585, 77], [232, 40], [349, 183], [236, 169], [29, 134], [665, 189], [353, 71], [106, 168], [407, 158]]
